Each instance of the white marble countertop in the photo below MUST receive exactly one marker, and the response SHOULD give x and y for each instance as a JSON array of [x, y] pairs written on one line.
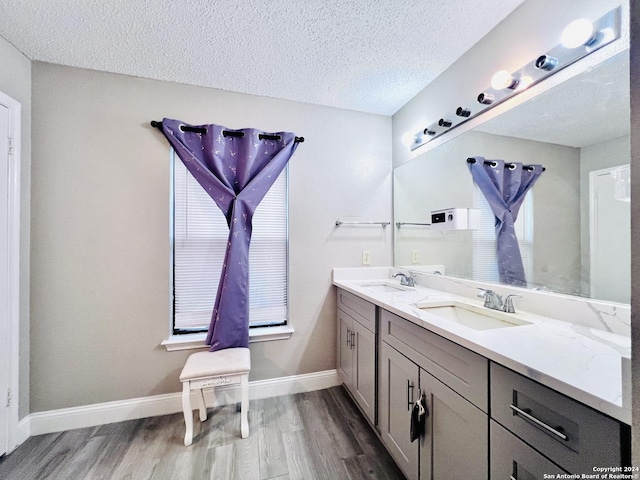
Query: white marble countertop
[[581, 362]]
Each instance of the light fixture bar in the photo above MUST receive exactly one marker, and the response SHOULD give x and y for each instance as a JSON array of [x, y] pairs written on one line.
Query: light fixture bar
[[505, 85]]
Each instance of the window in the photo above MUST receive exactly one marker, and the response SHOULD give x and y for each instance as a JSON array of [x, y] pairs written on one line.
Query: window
[[485, 262], [199, 240]]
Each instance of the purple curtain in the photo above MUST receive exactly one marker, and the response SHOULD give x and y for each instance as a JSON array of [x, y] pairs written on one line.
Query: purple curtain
[[236, 172], [505, 186]]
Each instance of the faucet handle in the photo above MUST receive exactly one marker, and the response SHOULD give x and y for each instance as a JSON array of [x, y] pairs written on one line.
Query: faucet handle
[[485, 293], [491, 298], [508, 303]]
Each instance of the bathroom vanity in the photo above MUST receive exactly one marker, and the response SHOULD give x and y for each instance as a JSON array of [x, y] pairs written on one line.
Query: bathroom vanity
[[509, 395]]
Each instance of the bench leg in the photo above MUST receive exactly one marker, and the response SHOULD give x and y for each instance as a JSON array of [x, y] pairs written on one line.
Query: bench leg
[[188, 413], [201, 406], [244, 407]]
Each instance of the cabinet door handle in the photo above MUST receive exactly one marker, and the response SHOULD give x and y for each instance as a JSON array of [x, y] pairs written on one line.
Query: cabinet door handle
[[353, 339], [348, 337], [409, 396], [526, 413]]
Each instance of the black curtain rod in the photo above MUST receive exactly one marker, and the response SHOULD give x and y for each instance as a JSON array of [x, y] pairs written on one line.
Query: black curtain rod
[[225, 133], [509, 165]]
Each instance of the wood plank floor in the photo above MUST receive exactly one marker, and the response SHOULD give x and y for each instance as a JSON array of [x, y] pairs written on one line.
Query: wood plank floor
[[316, 435]]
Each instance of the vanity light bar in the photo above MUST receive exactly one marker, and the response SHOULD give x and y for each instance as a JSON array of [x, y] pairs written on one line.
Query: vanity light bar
[[505, 84]]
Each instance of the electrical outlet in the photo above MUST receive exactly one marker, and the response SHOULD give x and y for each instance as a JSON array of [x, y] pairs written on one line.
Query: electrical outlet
[[415, 257], [366, 257]]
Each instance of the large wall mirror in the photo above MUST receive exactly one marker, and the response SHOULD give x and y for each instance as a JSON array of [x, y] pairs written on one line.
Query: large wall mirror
[[574, 226]]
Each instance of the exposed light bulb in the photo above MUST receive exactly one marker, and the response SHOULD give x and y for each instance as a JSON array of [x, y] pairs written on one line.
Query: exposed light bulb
[[409, 139], [525, 82], [503, 79], [577, 33]]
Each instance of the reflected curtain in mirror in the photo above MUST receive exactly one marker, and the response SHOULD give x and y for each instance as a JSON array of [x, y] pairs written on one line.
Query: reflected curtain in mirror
[[236, 168], [505, 186]]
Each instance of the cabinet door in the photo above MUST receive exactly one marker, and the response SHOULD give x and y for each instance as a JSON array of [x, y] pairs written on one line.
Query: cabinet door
[[364, 369], [398, 388], [344, 353], [512, 458], [455, 443]]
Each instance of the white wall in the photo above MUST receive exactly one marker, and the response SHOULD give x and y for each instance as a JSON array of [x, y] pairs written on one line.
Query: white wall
[[15, 81], [100, 219]]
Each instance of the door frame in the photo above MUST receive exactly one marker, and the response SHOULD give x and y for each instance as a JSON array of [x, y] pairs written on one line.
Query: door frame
[[593, 221], [13, 266]]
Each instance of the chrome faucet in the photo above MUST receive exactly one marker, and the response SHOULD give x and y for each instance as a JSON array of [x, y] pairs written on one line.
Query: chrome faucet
[[494, 301], [508, 303], [491, 299], [406, 280]]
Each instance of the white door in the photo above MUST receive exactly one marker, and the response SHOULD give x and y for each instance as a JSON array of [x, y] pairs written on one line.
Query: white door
[[610, 240], [4, 276]]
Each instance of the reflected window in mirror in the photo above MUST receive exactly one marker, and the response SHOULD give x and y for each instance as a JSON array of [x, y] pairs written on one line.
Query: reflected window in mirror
[[485, 263]]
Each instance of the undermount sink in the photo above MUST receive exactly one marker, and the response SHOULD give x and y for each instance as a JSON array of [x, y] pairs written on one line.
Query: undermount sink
[[385, 286], [478, 318]]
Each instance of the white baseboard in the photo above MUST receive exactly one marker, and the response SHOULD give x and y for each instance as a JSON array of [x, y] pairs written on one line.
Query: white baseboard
[[122, 410]]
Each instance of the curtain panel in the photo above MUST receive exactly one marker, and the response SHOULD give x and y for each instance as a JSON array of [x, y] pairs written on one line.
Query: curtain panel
[[236, 168]]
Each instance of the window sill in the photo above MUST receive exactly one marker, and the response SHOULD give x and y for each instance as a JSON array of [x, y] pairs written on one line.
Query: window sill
[[193, 341]]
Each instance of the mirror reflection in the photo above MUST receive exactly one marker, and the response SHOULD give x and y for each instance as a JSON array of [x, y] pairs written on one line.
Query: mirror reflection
[[573, 227]]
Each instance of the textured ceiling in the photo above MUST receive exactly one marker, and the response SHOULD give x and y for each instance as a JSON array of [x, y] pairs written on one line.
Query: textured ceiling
[[365, 55]]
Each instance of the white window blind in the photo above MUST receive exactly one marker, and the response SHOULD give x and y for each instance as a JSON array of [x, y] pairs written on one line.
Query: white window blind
[[485, 261], [200, 236]]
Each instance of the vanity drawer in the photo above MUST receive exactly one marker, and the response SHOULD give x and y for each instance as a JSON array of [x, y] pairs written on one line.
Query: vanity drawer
[[511, 458], [569, 433], [361, 310], [460, 369]]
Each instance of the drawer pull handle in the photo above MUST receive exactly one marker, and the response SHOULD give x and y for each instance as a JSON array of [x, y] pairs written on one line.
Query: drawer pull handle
[[526, 414], [409, 395]]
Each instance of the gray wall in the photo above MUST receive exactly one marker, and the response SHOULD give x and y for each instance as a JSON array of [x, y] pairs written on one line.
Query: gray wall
[[15, 81], [100, 220]]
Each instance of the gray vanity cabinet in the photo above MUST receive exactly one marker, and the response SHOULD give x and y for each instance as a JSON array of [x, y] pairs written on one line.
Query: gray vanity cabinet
[[455, 440], [522, 432], [356, 350]]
